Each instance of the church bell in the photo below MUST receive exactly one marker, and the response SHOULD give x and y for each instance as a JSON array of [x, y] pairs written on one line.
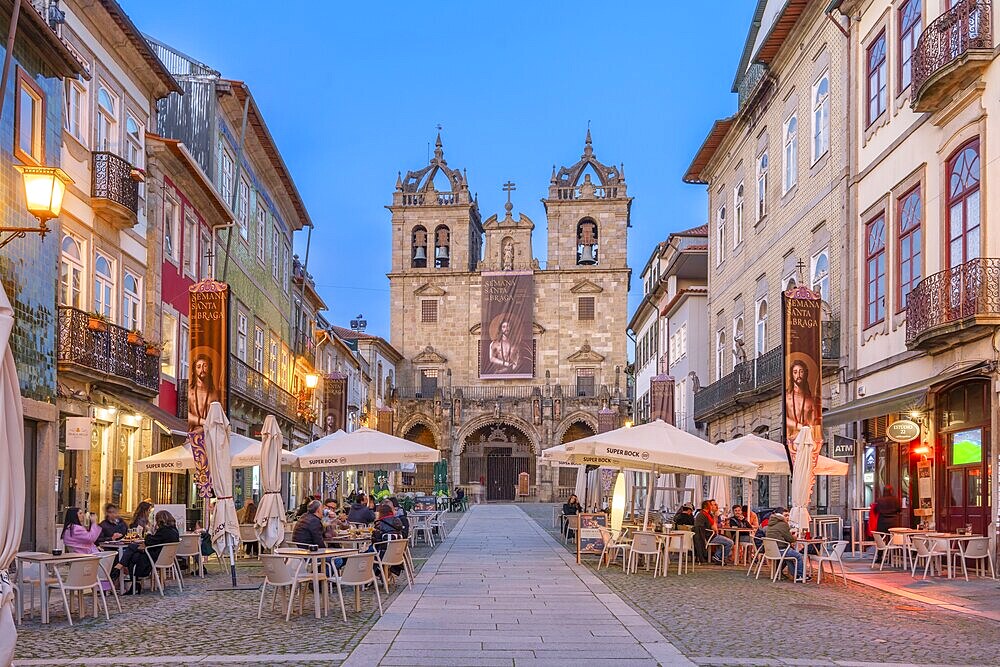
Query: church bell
[[587, 255], [441, 252], [420, 253]]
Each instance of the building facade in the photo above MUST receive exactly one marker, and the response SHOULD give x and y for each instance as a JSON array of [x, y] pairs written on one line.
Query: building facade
[[922, 330], [491, 430], [776, 173]]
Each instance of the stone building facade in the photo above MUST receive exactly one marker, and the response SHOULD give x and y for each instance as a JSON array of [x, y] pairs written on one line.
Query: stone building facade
[[489, 431], [776, 173]]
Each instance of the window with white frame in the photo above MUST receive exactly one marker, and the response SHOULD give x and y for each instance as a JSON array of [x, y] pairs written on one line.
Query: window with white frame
[[275, 256], [261, 230], [183, 351], [273, 360], [205, 258], [168, 349], [227, 173], [720, 353], [133, 141], [821, 117], [283, 379], [29, 120], [106, 121], [681, 402], [761, 328], [258, 349], [190, 250], [243, 209], [241, 336], [71, 273], [285, 267], [738, 215], [820, 273], [791, 172], [171, 240], [131, 302], [788, 282], [762, 185], [720, 235], [104, 286], [75, 121]]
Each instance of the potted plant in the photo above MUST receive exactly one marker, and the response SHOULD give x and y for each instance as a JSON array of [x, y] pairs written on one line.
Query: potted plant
[[135, 337], [97, 322], [138, 175], [152, 349]]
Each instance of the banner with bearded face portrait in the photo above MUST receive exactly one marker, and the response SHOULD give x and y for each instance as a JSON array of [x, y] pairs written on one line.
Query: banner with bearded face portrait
[[508, 300], [803, 366]]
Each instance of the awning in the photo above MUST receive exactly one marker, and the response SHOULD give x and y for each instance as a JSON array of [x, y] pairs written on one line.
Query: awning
[[901, 399], [170, 424]]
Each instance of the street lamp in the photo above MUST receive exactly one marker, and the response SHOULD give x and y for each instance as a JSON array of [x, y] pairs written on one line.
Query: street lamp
[[312, 380], [44, 188]]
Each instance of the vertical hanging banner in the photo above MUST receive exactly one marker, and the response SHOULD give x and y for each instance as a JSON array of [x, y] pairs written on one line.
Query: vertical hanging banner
[[803, 367], [335, 402], [208, 367], [661, 398], [508, 302], [383, 423]]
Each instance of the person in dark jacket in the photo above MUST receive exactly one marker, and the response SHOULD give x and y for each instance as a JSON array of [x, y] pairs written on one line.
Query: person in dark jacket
[[387, 527], [706, 531], [400, 512], [684, 516], [778, 529], [113, 527], [888, 509], [309, 528], [138, 559], [360, 512]]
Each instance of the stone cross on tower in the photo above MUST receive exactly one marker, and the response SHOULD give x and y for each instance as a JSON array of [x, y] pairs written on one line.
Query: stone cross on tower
[[509, 187]]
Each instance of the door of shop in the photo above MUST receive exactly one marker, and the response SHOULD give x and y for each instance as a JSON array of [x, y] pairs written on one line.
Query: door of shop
[[891, 466], [963, 482], [501, 473]]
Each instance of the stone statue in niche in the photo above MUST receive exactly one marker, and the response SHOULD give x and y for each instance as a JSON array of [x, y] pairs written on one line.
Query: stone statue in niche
[[507, 255]]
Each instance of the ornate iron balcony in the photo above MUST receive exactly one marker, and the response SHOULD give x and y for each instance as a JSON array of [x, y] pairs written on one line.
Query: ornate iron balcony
[[257, 388], [751, 83], [114, 187], [100, 351], [954, 304], [951, 53]]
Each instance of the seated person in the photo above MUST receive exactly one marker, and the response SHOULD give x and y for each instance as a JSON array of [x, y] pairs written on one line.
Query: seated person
[[113, 527], [138, 559], [333, 522], [360, 512], [387, 526], [76, 538], [571, 507], [778, 529], [706, 531], [459, 498], [684, 516], [738, 520], [309, 528], [401, 515]]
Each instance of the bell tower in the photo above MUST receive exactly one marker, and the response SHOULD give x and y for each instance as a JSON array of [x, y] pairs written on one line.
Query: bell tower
[[436, 226], [588, 212]]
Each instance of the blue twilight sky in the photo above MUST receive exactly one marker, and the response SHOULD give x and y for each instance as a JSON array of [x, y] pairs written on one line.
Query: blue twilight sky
[[353, 92]]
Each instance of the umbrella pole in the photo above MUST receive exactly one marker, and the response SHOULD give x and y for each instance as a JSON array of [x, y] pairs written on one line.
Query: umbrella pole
[[649, 492], [232, 559]]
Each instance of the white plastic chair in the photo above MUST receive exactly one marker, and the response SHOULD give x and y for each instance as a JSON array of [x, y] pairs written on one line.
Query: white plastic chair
[[358, 570], [190, 547], [832, 553], [683, 546], [279, 574], [248, 536], [395, 554], [977, 550], [885, 545], [925, 548], [166, 562], [775, 554], [424, 528], [613, 544], [107, 566], [438, 521], [82, 577], [644, 544]]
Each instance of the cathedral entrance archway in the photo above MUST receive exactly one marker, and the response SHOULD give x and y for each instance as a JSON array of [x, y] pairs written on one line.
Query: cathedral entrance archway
[[494, 455], [421, 479]]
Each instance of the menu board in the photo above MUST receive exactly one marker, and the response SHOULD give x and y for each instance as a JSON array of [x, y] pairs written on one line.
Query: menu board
[[425, 504], [589, 541]]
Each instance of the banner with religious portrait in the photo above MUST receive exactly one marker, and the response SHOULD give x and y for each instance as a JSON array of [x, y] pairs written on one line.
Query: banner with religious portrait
[[803, 367], [335, 402], [208, 367], [508, 301]]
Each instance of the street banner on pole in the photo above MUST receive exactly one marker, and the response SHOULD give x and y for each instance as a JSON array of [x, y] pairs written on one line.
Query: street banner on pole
[[803, 367], [335, 402], [208, 368], [508, 300]]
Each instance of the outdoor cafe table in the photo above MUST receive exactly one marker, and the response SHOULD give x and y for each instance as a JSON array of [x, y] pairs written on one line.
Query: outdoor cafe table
[[359, 543], [736, 532], [950, 538], [803, 544], [44, 561], [120, 546], [313, 559], [859, 527]]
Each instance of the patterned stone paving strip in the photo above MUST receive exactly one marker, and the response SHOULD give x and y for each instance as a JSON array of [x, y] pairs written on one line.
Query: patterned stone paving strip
[[200, 626], [718, 616]]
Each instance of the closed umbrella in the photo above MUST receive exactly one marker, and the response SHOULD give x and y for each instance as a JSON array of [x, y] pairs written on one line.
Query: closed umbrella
[[11, 477], [580, 490], [719, 491], [225, 527], [802, 479], [267, 523]]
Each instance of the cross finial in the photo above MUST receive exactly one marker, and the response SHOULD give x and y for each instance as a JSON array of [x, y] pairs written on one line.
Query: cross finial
[[509, 187]]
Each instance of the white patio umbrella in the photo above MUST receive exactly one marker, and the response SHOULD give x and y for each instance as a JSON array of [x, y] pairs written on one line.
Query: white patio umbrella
[[267, 522], [719, 490], [11, 477], [580, 490], [771, 459], [245, 453], [802, 479], [362, 447], [225, 527], [659, 447]]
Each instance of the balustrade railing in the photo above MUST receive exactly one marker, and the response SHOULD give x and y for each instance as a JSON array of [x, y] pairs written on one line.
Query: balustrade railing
[[105, 348], [967, 25], [748, 85], [112, 179], [600, 192], [259, 389], [968, 290]]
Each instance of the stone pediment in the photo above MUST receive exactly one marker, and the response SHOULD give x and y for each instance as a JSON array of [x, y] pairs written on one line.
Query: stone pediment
[[508, 222], [585, 355], [429, 356], [429, 290], [477, 328], [586, 287]]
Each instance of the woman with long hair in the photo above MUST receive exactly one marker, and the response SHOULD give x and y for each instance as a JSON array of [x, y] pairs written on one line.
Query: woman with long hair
[[140, 518], [139, 558], [75, 537]]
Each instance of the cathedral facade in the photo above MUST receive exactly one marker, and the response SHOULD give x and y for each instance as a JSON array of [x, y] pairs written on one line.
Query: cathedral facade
[[503, 357]]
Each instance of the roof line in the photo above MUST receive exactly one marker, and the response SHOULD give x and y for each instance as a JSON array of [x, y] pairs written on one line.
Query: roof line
[[178, 148], [136, 38], [706, 151], [758, 15]]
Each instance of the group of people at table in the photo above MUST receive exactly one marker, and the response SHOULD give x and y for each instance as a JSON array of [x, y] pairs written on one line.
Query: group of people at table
[[713, 527]]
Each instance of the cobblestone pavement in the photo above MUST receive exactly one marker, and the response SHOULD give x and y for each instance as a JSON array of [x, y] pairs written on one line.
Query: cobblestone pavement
[[718, 616], [202, 626]]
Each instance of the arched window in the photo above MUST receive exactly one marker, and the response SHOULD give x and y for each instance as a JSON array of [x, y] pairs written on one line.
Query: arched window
[[963, 204], [418, 243], [739, 351], [762, 185], [738, 215], [586, 242], [761, 328], [720, 354], [791, 153], [442, 247], [107, 120], [104, 286], [720, 236], [821, 275], [71, 274], [821, 117], [133, 141], [378, 386], [130, 302]]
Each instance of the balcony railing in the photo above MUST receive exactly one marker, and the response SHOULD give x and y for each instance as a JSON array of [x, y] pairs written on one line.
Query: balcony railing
[[497, 392], [422, 198], [113, 181], [953, 301], [750, 84], [106, 351], [259, 389], [961, 35], [757, 379], [600, 192]]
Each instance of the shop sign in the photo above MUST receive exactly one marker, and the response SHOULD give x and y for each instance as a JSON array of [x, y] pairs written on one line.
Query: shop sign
[[589, 540], [79, 431], [903, 430], [843, 448]]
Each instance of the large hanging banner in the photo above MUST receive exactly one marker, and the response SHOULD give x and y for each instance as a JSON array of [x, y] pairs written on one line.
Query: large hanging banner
[[508, 302], [803, 367], [335, 402], [208, 368]]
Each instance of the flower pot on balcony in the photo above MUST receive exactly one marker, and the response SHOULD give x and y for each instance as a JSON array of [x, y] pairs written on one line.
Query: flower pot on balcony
[[137, 175], [97, 324], [152, 351], [134, 338]]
